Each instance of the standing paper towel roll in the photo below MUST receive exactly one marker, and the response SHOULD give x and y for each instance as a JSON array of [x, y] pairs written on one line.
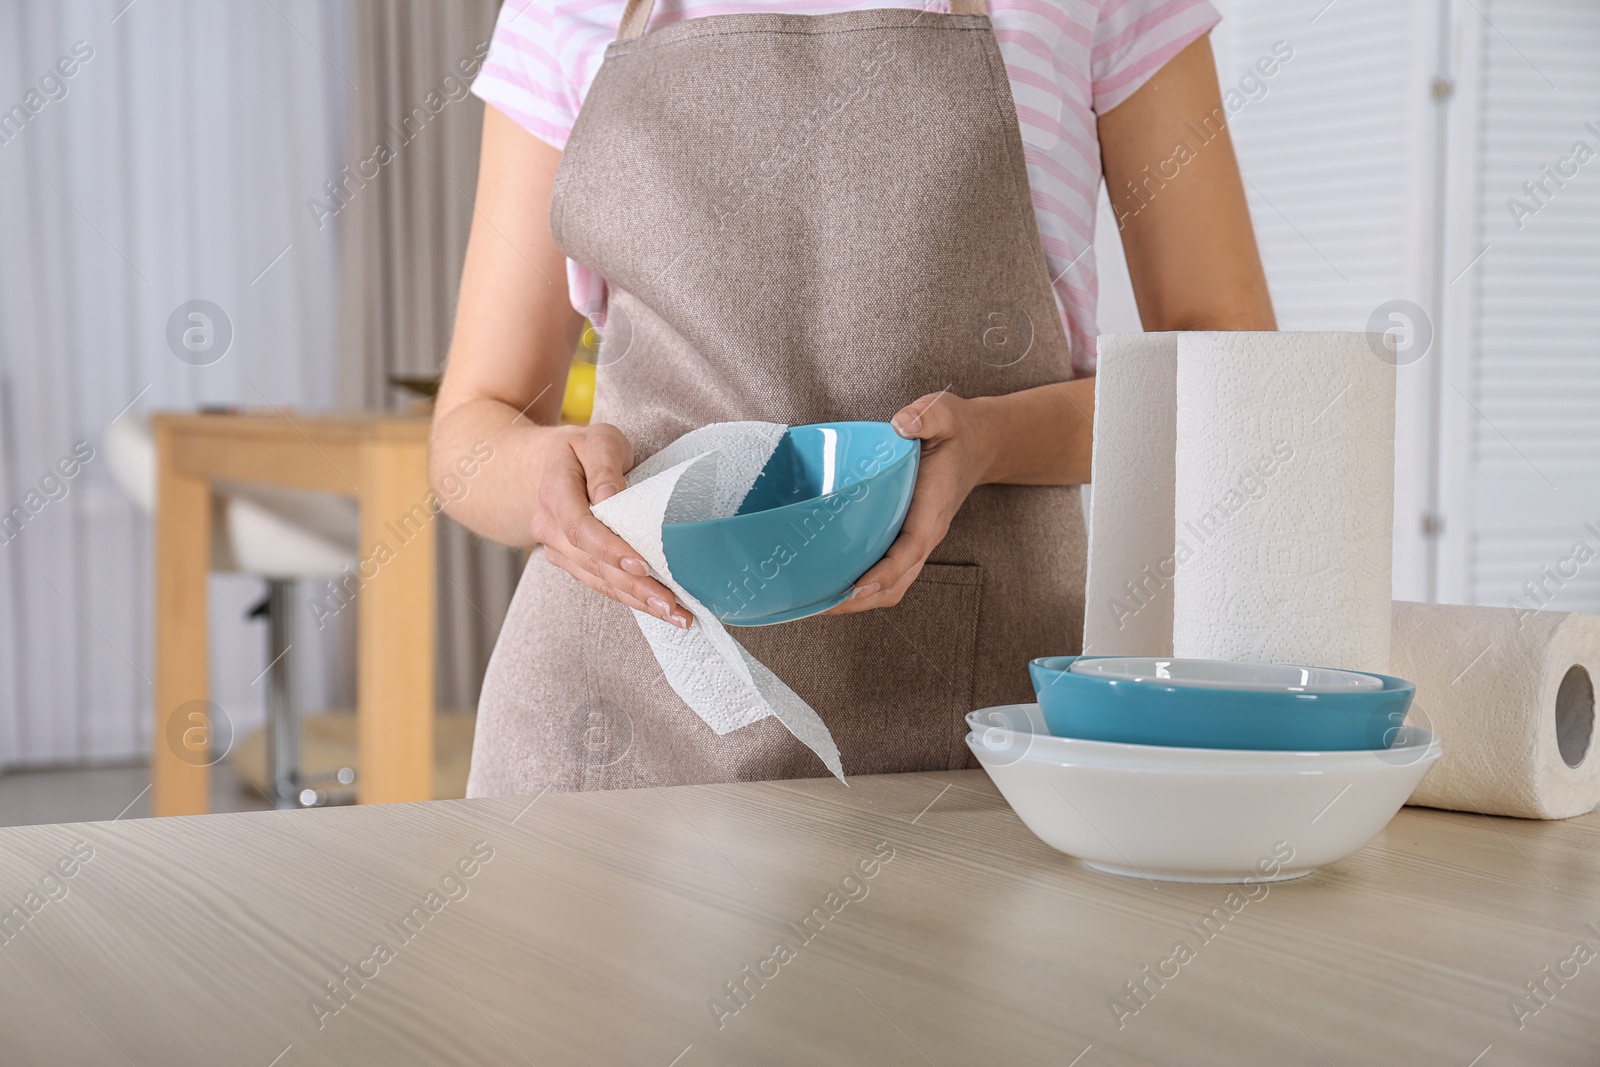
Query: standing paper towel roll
[[1283, 499], [1128, 591], [1511, 695]]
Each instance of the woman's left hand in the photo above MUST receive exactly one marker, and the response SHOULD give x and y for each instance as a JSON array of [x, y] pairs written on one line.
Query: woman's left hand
[[956, 451]]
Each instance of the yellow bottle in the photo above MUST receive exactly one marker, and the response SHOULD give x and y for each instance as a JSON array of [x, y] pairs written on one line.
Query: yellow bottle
[[577, 404]]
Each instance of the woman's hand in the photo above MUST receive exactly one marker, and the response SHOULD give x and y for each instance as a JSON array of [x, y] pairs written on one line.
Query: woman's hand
[[583, 465], [956, 458]]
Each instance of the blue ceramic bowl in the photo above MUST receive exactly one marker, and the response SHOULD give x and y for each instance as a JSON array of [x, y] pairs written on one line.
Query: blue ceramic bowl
[[1149, 713], [826, 507]]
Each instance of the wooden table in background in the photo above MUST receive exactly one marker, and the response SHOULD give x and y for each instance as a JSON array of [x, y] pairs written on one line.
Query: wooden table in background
[[382, 462], [603, 928]]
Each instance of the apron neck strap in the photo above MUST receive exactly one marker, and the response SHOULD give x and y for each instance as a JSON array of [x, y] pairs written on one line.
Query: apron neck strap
[[636, 18]]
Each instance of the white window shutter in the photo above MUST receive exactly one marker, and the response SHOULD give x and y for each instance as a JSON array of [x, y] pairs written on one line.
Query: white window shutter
[[1527, 393]]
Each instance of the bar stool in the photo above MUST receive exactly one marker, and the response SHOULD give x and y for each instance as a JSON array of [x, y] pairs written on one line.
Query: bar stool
[[281, 536]]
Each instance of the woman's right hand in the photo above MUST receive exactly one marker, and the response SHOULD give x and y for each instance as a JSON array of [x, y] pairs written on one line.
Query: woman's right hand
[[582, 466]]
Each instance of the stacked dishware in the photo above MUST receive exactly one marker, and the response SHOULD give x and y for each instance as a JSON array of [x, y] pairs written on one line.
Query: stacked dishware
[[1204, 770]]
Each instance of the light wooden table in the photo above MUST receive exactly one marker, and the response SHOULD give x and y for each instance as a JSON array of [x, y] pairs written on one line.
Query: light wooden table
[[603, 927], [381, 461]]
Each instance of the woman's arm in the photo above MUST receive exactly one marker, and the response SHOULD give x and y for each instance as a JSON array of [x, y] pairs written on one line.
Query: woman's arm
[[1175, 186], [503, 384]]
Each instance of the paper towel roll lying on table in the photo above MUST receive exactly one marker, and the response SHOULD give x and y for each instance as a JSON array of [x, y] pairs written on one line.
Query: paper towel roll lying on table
[[1511, 695], [1243, 490]]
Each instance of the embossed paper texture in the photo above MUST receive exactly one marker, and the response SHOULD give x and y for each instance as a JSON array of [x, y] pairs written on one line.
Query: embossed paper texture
[[705, 474], [1243, 498], [1128, 595], [1511, 695], [1283, 502]]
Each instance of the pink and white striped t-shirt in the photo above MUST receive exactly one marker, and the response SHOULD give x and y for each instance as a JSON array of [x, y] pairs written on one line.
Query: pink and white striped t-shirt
[[1067, 60]]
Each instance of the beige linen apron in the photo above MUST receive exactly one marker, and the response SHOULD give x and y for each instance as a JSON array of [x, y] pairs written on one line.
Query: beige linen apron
[[800, 219]]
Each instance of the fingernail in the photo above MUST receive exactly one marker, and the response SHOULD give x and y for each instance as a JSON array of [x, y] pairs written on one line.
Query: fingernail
[[635, 566], [901, 426], [866, 590], [679, 619], [660, 607], [602, 491]]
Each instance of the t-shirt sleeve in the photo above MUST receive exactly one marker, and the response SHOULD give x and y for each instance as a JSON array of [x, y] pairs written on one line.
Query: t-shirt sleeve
[[1136, 38], [522, 77]]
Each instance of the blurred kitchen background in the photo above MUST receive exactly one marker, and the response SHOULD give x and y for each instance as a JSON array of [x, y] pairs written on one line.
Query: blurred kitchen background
[[1425, 166]]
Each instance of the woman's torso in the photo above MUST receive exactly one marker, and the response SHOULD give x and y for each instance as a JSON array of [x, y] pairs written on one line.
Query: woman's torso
[[1066, 61], [802, 220]]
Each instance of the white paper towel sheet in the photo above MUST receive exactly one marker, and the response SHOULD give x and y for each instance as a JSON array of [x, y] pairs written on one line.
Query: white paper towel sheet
[[1511, 695], [705, 474], [1267, 535], [1128, 591], [1284, 497]]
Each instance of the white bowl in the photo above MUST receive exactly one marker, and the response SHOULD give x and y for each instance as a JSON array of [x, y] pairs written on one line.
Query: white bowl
[[1223, 674], [1011, 731], [1198, 815]]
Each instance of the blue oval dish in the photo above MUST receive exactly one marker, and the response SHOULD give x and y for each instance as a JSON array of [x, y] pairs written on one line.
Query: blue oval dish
[[827, 506], [1149, 713]]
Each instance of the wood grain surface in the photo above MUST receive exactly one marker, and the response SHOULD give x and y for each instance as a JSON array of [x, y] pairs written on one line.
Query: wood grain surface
[[180, 760], [604, 928]]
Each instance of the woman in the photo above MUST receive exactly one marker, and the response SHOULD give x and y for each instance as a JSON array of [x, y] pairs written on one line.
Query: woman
[[802, 217]]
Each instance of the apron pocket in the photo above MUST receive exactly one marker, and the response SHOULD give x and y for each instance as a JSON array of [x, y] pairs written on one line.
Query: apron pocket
[[894, 685]]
